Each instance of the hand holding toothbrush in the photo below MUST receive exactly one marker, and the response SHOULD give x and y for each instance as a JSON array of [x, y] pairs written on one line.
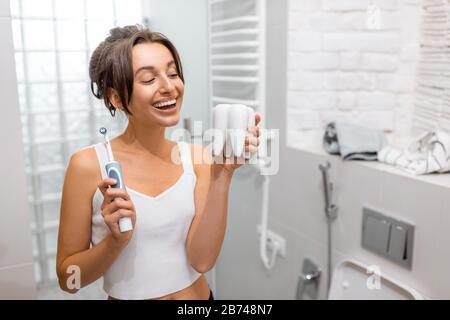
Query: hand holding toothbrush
[[117, 205], [114, 170]]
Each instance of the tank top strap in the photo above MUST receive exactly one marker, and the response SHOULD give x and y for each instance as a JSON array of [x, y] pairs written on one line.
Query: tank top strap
[[102, 157], [185, 155]]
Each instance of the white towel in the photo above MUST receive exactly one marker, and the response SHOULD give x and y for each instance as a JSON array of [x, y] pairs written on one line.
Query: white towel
[[429, 153]]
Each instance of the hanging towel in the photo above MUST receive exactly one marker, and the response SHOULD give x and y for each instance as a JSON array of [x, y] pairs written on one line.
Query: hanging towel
[[353, 142], [428, 153]]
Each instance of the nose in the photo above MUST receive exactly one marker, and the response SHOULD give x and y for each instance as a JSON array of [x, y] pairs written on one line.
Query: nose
[[166, 84]]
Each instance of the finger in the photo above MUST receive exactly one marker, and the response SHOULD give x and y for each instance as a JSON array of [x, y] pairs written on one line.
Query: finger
[[251, 148], [105, 183], [112, 193], [111, 204], [254, 130], [257, 118], [113, 223], [121, 213], [235, 161], [117, 204], [252, 141]]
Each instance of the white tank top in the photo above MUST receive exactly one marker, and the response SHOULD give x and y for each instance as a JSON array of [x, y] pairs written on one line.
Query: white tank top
[[154, 263]]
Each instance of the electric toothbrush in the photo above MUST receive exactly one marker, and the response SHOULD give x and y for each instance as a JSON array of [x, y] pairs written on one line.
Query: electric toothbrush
[[114, 170]]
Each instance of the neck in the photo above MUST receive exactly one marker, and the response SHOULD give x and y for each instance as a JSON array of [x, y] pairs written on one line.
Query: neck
[[147, 139]]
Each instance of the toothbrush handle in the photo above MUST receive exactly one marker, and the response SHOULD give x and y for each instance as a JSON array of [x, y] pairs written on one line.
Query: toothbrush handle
[[114, 170]]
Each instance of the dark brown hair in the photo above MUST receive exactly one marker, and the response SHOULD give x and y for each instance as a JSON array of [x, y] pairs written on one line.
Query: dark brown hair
[[111, 66]]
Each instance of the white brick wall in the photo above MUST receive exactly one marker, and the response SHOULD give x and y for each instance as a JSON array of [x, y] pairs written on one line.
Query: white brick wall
[[361, 41], [338, 69], [345, 5]]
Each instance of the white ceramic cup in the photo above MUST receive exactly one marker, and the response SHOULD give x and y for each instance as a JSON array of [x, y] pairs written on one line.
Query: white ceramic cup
[[231, 122], [220, 123]]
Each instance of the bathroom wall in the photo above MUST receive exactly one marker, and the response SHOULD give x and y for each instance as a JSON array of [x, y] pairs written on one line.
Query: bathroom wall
[[343, 67], [188, 32], [296, 203], [16, 262]]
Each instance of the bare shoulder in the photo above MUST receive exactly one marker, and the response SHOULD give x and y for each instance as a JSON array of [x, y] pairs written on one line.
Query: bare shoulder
[[84, 166], [84, 160]]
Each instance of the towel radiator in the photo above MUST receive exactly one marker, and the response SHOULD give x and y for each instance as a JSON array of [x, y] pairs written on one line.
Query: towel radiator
[[237, 44]]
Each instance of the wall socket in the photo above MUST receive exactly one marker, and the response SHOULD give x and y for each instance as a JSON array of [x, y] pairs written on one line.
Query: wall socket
[[273, 237]]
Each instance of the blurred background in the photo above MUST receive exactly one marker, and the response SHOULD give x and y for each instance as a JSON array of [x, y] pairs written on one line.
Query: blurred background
[[381, 64]]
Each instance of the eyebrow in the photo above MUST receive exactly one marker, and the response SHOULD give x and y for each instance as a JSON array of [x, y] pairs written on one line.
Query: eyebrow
[[151, 68]]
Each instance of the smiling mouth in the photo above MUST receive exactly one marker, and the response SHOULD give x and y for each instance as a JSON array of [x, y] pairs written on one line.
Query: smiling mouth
[[165, 105]]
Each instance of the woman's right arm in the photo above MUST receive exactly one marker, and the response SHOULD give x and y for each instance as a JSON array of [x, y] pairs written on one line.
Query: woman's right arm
[[75, 224]]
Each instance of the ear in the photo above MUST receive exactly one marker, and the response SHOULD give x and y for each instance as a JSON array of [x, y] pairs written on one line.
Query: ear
[[115, 99]]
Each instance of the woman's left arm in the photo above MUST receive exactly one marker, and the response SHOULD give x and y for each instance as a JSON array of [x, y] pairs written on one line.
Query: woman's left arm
[[207, 230]]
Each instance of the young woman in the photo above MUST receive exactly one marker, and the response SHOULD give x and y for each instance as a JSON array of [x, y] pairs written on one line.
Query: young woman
[[178, 207]]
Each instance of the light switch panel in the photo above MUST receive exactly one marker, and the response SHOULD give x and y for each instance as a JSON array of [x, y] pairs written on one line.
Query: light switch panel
[[397, 243], [376, 234], [387, 236]]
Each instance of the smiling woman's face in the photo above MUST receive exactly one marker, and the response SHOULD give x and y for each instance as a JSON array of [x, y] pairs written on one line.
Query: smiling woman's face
[[157, 88]]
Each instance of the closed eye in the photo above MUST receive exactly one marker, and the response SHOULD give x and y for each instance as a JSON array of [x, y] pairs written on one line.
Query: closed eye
[[149, 81]]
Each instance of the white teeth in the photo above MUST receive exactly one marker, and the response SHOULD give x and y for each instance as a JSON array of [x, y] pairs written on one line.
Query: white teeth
[[163, 104]]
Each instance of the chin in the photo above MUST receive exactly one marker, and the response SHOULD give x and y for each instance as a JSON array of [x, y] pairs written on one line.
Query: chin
[[170, 122]]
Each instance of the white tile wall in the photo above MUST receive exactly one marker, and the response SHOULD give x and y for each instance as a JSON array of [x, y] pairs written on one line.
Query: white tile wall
[[296, 212], [442, 250], [403, 197], [422, 205]]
